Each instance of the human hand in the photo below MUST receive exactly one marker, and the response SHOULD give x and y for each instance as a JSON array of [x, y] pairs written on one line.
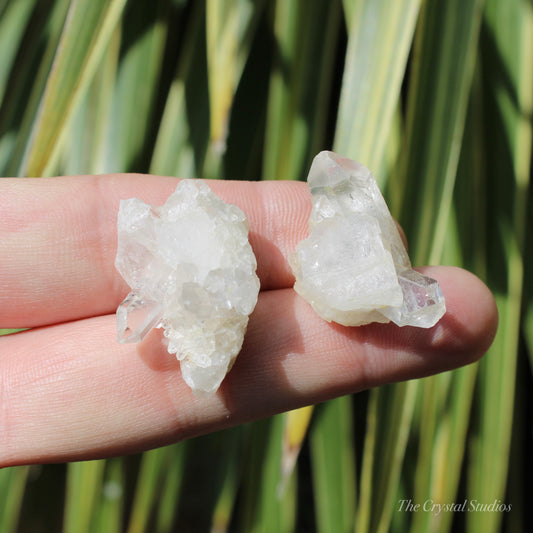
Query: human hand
[[69, 391]]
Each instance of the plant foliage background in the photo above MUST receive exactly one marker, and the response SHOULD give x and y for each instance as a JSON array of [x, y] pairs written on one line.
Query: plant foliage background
[[436, 98]]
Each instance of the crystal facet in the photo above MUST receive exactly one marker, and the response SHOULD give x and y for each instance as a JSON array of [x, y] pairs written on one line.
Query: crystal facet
[[353, 268], [192, 272]]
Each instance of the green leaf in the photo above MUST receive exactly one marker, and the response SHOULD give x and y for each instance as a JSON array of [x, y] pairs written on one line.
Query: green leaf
[[444, 59], [84, 485], [229, 32], [267, 505], [27, 81], [151, 470], [389, 418], [12, 486], [85, 35], [333, 465], [294, 433], [508, 83], [9, 331], [170, 489], [14, 17], [210, 480], [447, 400], [183, 134], [156, 465], [89, 148], [138, 75], [380, 34], [231, 473], [305, 35], [109, 511]]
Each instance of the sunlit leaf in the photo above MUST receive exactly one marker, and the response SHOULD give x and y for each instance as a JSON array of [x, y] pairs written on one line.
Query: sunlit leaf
[[85, 35], [380, 35]]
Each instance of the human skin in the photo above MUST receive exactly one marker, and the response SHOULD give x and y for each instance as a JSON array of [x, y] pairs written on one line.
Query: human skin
[[69, 391]]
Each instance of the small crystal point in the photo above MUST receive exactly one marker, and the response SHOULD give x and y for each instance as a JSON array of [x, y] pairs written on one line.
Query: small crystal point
[[423, 302], [192, 271], [353, 268], [136, 316]]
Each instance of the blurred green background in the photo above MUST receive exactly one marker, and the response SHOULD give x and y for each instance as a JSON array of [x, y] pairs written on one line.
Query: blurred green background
[[435, 97]]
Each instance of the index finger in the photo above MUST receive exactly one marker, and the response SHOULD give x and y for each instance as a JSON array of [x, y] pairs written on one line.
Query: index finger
[[58, 239]]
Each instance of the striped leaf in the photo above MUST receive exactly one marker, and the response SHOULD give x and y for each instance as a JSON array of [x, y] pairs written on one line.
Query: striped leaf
[[12, 486], [333, 464], [183, 134], [294, 432], [380, 35], [155, 466], [84, 485], [85, 35], [230, 29], [27, 81], [143, 36], [108, 516], [509, 37], [305, 34], [444, 59], [267, 504]]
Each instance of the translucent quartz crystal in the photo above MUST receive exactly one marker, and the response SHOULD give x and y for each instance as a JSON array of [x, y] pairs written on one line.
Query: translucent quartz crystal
[[354, 269], [192, 272]]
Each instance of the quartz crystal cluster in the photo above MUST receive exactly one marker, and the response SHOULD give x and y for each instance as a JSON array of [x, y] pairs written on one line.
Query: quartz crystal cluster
[[354, 268], [192, 272]]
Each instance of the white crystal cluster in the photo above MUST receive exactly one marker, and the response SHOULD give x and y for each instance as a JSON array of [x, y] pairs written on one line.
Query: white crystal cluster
[[192, 272], [354, 269]]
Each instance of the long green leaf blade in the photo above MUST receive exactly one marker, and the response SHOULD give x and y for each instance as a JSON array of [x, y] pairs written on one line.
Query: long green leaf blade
[[26, 86], [509, 30], [13, 20], [85, 35], [442, 76], [395, 406], [380, 34], [230, 29], [136, 86], [108, 516], [12, 486], [84, 485], [268, 504], [333, 464], [305, 35], [157, 466], [183, 135]]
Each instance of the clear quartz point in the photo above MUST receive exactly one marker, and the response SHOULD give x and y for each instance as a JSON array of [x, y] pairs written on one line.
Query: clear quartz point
[[423, 301], [136, 316], [354, 268]]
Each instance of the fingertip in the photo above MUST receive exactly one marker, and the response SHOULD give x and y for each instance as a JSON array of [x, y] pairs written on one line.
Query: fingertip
[[469, 326]]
